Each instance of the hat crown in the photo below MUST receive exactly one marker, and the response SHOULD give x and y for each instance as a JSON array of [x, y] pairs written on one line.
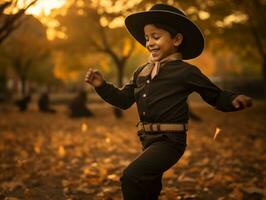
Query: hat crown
[[165, 7]]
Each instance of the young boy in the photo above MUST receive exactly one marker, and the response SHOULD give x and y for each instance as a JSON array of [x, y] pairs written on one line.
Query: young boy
[[160, 89]]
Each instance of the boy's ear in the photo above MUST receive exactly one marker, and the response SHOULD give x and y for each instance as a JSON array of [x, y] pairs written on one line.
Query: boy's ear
[[178, 39]]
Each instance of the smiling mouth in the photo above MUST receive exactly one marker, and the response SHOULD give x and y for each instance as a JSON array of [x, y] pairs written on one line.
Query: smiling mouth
[[154, 52]]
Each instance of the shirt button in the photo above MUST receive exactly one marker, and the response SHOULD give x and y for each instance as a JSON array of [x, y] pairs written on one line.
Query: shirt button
[[148, 81], [144, 95]]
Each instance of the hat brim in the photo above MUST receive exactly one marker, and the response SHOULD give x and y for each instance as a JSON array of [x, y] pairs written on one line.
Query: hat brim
[[193, 40]]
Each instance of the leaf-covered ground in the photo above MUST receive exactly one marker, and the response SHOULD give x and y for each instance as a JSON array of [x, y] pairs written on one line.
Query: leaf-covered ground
[[54, 157]]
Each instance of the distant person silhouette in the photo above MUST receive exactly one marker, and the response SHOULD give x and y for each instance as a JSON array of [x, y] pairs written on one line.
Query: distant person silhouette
[[78, 106], [44, 103], [23, 103]]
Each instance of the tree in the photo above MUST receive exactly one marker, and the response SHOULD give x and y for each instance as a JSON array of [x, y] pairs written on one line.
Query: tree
[[243, 29], [10, 22], [239, 25], [97, 36], [27, 51]]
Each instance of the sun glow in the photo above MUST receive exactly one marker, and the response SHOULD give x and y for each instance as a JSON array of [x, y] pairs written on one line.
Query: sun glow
[[42, 7], [42, 10]]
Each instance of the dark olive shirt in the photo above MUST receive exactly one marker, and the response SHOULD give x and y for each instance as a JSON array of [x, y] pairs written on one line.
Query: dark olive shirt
[[164, 98]]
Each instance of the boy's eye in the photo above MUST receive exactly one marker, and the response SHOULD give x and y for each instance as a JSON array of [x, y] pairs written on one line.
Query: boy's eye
[[156, 36]]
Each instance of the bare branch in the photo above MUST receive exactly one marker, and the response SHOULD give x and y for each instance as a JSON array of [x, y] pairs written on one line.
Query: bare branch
[[9, 21], [3, 6], [30, 4]]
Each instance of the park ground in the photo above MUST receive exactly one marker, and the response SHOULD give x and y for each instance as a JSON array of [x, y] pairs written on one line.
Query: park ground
[[54, 157]]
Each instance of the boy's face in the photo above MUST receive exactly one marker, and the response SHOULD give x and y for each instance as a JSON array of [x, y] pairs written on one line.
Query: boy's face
[[160, 43]]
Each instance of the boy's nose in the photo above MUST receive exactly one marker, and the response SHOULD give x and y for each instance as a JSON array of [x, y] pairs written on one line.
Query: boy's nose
[[149, 43]]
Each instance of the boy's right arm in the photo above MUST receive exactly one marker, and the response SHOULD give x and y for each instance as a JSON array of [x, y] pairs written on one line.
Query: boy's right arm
[[119, 97]]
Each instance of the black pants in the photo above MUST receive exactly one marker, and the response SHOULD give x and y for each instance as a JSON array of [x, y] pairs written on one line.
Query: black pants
[[141, 180]]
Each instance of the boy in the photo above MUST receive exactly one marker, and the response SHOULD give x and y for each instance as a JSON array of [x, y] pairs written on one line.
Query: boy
[[160, 89]]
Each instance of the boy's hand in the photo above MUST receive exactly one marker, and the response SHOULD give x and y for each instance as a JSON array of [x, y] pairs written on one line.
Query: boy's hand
[[94, 77], [241, 101]]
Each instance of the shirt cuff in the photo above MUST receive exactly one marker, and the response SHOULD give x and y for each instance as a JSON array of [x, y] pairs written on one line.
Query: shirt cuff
[[101, 87], [225, 101]]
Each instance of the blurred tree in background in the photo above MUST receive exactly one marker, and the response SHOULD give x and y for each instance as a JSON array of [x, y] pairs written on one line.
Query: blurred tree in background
[[91, 33], [236, 26], [10, 22], [92, 36], [94, 32], [10, 19], [27, 52]]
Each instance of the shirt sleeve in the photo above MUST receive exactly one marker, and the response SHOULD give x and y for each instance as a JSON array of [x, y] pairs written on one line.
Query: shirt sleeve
[[120, 97], [220, 99]]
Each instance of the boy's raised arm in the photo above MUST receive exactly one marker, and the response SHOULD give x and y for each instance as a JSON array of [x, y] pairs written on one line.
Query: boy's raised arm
[[119, 97]]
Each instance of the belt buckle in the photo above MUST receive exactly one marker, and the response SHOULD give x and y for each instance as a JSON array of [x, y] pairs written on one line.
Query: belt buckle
[[154, 127]]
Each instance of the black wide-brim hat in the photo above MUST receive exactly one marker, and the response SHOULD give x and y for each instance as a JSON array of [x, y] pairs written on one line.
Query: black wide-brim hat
[[193, 40]]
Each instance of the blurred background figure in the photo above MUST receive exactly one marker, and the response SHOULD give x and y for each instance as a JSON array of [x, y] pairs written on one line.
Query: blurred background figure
[[78, 106], [44, 103], [23, 103]]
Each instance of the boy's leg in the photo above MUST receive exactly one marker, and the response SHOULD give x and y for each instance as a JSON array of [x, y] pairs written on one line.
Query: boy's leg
[[142, 178], [155, 189]]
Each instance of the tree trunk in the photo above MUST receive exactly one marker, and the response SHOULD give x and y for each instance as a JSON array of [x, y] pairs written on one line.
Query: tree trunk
[[3, 80], [264, 75], [3, 88], [23, 85], [258, 38]]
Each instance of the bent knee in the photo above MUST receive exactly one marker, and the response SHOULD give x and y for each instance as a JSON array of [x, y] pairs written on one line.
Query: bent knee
[[130, 174], [127, 175]]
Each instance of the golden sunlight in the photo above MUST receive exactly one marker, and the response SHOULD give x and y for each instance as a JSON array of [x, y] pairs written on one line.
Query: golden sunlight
[[42, 10], [42, 7]]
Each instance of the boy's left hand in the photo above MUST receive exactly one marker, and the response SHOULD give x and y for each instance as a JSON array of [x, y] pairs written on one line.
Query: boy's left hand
[[241, 101]]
